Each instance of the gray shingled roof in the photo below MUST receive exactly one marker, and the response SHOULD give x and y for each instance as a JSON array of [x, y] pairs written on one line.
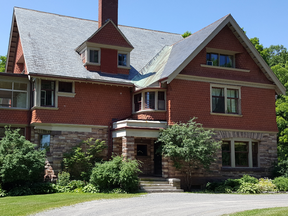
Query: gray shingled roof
[[49, 42]]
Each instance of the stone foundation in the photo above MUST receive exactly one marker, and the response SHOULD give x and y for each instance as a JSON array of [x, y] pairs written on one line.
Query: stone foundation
[[267, 153], [63, 141]]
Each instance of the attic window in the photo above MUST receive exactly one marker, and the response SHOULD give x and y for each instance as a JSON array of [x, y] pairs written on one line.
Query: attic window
[[94, 56], [122, 59], [216, 59]]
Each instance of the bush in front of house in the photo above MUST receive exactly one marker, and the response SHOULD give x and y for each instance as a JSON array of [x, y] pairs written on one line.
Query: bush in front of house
[[81, 159], [20, 163], [281, 183], [116, 173], [266, 184], [281, 169]]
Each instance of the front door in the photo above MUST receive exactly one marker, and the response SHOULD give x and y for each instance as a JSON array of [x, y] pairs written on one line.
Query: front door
[[157, 161]]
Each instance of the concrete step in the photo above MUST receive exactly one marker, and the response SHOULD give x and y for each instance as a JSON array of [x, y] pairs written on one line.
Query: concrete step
[[157, 187], [162, 190], [154, 182]]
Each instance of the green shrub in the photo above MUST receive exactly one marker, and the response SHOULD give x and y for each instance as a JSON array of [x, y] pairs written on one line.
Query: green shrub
[[42, 188], [211, 186], [233, 183], [247, 187], [2, 192], [249, 179], [223, 189], [281, 169], [20, 162], [281, 183], [20, 191], [79, 162], [116, 173], [75, 184], [117, 191], [63, 179], [266, 185], [90, 188]]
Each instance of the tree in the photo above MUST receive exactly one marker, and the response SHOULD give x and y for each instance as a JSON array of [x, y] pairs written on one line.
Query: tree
[[20, 162], [189, 146], [2, 63], [260, 48], [277, 55], [186, 34]]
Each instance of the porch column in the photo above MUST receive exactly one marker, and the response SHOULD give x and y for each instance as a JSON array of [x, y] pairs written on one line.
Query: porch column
[[128, 147]]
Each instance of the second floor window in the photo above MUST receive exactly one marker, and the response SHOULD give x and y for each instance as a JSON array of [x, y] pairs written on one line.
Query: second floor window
[[47, 93], [122, 59], [225, 100], [221, 60], [94, 56], [150, 100]]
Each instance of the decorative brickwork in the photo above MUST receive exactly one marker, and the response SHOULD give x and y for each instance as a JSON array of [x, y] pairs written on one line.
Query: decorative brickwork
[[62, 142]]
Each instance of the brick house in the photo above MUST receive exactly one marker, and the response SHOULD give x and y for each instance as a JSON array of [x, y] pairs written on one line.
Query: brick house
[[68, 79]]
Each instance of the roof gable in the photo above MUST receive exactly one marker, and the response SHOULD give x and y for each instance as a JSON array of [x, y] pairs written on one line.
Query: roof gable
[[110, 34]]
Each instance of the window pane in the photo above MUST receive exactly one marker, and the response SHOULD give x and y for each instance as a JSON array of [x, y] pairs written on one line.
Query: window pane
[[5, 85], [232, 105], [217, 92], [20, 99], [122, 59], [20, 86], [141, 150], [94, 56], [218, 105], [212, 58], [255, 154], [225, 61], [45, 142], [232, 93], [226, 154], [47, 93], [150, 100], [161, 100], [137, 102], [241, 154], [65, 87], [5, 98]]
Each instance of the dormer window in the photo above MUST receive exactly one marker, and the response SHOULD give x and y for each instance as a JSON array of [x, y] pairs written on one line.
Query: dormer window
[[94, 56], [122, 59]]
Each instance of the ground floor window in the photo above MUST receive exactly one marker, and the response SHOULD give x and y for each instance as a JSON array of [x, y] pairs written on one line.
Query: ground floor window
[[141, 150], [45, 142], [239, 153]]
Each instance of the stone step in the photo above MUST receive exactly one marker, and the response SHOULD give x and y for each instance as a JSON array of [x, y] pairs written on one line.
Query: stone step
[[162, 190], [154, 182], [157, 187]]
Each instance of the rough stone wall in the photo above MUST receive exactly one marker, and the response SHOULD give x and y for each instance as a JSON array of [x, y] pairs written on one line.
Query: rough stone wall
[[117, 146], [267, 151], [63, 141], [128, 147]]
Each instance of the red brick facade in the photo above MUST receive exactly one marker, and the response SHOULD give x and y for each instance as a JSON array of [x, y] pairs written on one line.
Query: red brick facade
[[19, 67]]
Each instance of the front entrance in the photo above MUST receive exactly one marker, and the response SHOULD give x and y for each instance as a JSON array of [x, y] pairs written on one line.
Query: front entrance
[[157, 161]]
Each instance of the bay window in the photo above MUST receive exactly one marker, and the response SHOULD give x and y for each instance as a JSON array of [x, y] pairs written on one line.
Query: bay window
[[149, 100], [13, 95]]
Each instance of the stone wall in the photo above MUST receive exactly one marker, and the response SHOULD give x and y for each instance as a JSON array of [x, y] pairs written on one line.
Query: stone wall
[[147, 165], [267, 151], [63, 141]]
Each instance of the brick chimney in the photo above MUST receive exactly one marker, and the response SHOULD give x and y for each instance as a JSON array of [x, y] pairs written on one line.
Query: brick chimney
[[108, 9]]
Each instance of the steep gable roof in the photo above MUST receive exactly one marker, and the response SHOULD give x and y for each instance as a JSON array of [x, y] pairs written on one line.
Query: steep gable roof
[[185, 50]]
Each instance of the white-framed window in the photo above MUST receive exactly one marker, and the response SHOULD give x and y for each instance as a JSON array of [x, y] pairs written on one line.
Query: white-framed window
[[123, 59], [239, 152], [45, 142], [93, 56], [225, 99], [47, 93], [149, 100], [218, 59], [13, 95]]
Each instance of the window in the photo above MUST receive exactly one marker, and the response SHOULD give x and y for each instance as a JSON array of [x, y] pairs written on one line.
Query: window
[[237, 153], [45, 142], [47, 93], [13, 94], [122, 59], [215, 59], [141, 150], [225, 100], [94, 56], [65, 87], [137, 102], [149, 100]]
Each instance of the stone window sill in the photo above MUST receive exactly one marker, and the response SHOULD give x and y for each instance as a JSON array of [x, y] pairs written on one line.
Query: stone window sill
[[226, 114], [242, 169], [44, 108], [225, 68]]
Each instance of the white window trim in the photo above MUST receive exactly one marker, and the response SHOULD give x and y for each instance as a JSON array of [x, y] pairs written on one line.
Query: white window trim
[[12, 90], [128, 60], [143, 101], [250, 156], [88, 56], [225, 95]]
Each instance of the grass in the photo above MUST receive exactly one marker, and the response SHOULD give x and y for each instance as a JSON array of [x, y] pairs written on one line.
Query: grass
[[281, 211], [26, 205]]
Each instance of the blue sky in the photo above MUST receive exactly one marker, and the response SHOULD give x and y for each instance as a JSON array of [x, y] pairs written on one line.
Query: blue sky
[[264, 19]]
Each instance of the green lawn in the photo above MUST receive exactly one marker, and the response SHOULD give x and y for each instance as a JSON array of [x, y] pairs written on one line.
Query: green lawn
[[26, 205], [264, 212]]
